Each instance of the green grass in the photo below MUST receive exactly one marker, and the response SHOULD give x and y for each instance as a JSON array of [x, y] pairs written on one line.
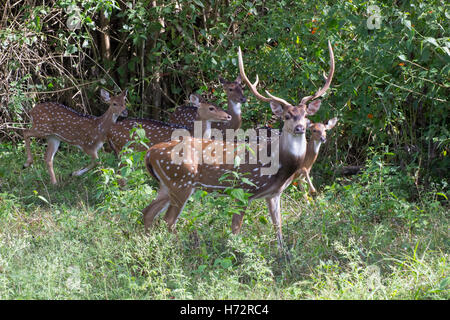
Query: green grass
[[369, 238]]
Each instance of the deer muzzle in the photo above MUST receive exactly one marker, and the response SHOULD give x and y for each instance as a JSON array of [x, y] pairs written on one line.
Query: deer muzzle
[[300, 129]]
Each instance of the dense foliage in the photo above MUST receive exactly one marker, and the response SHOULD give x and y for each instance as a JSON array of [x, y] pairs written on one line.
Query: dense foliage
[[390, 88]]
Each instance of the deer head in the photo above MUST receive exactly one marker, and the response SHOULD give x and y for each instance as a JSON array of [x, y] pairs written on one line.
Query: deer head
[[116, 103], [233, 89], [208, 111], [319, 130]]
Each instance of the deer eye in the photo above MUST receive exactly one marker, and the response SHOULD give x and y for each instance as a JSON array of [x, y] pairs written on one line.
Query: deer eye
[[211, 108], [287, 117]]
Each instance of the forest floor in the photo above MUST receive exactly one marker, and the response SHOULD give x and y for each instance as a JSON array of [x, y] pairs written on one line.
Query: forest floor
[[374, 236]]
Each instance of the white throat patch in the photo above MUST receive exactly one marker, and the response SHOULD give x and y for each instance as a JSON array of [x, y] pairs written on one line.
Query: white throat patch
[[295, 145], [235, 107], [317, 145]]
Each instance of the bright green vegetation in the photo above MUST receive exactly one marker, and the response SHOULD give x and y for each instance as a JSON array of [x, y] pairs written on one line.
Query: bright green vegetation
[[359, 239]]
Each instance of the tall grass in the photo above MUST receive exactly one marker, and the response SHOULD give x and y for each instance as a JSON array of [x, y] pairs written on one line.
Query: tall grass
[[375, 237]]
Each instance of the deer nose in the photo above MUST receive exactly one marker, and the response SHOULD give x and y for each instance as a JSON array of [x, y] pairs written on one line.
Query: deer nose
[[244, 99], [299, 129], [229, 117], [323, 139], [124, 113]]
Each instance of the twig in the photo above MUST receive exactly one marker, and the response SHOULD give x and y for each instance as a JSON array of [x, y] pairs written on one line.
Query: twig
[[402, 88]]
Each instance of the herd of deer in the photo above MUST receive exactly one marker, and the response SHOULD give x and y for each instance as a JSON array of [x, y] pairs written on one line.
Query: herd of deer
[[177, 181]]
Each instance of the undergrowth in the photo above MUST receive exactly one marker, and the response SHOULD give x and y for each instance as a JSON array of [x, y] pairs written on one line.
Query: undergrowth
[[376, 236]]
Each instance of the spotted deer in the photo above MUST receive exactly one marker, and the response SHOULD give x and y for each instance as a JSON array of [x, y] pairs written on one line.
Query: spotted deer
[[318, 136], [235, 96], [56, 122], [178, 180], [158, 131]]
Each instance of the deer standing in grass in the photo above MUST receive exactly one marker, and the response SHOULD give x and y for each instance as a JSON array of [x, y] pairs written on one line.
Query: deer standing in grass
[[318, 136], [158, 131], [235, 96], [177, 181], [56, 122]]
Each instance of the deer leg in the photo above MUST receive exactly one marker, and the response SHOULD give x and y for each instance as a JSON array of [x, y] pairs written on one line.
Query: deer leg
[[27, 134], [273, 203], [93, 164], [311, 186], [52, 148], [236, 222], [114, 149], [177, 203], [160, 203]]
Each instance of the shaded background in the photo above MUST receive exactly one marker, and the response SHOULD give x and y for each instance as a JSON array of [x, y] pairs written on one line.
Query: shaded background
[[390, 89]]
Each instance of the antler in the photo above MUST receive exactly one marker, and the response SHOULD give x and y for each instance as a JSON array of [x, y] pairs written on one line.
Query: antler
[[282, 101], [252, 86], [328, 79]]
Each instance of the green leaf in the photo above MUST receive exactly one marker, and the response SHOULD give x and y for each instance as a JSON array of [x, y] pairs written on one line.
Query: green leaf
[[442, 195], [444, 283], [238, 194], [263, 220], [246, 181], [432, 41], [43, 199], [71, 48], [199, 3]]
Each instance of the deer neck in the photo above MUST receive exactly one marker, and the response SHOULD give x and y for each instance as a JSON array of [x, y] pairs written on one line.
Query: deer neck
[[234, 109], [312, 150], [292, 153], [205, 129], [106, 121], [292, 147]]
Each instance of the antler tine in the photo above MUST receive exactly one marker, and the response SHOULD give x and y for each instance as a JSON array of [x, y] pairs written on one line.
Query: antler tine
[[284, 102], [328, 79], [251, 86]]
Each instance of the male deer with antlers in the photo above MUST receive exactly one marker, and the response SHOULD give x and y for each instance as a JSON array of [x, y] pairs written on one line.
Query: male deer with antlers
[[178, 181], [158, 131], [235, 96], [57, 123]]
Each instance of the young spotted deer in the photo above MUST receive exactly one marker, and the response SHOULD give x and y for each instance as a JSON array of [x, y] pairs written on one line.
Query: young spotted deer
[[158, 131], [318, 136], [57, 123], [233, 89], [202, 168]]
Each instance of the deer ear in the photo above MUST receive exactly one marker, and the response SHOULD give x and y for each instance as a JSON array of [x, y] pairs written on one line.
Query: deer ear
[[313, 107], [105, 95], [194, 99], [331, 123], [277, 108], [125, 92], [238, 79]]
